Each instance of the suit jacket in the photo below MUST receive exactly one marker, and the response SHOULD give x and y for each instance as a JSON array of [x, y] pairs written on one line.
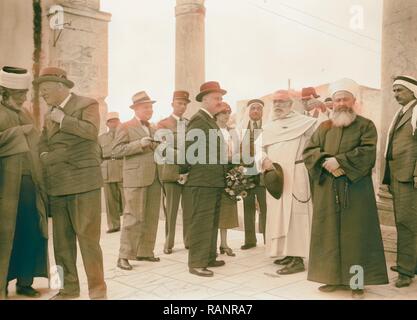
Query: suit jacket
[[73, 157], [111, 168], [139, 167], [205, 174], [403, 165], [14, 145], [248, 145], [169, 172]]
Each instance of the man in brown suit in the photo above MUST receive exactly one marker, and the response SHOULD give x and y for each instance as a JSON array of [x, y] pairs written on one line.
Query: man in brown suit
[[401, 177], [258, 194], [169, 172], [71, 156], [112, 171], [134, 143]]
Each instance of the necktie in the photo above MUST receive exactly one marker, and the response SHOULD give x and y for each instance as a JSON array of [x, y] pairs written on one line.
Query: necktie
[[145, 123]]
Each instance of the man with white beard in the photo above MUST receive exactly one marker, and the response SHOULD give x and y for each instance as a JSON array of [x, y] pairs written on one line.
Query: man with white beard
[[345, 233], [288, 222]]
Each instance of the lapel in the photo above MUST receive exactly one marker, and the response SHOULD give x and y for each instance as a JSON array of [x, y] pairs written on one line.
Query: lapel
[[70, 108], [407, 116], [137, 126], [210, 121]]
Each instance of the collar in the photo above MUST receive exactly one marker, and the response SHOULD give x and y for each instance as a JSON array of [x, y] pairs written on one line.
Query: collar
[[176, 117], [408, 106], [64, 103], [209, 114], [141, 121]]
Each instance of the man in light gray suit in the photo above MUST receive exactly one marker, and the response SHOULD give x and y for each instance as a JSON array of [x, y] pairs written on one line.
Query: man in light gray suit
[[112, 171], [401, 176], [142, 189], [176, 125]]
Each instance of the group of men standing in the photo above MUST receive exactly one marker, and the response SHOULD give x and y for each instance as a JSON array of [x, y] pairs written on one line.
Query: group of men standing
[[326, 213]]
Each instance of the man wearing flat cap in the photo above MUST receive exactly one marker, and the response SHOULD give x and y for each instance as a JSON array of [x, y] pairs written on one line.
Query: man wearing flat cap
[[71, 155], [401, 177], [345, 229], [134, 143], [173, 189], [289, 217], [112, 171], [206, 180], [252, 128], [23, 200]]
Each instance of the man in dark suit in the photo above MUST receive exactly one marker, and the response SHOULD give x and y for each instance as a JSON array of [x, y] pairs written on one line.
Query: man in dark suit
[[401, 177], [258, 194], [112, 171], [169, 171], [142, 189], [206, 181], [70, 154]]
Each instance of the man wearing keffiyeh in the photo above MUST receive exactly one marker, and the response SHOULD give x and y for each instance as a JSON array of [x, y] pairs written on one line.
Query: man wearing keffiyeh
[[401, 177]]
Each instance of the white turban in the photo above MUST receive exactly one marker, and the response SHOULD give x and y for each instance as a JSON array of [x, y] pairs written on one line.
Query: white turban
[[18, 81], [411, 84], [344, 85]]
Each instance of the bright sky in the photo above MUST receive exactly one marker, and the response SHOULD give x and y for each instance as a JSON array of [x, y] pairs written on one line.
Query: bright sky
[[252, 47]]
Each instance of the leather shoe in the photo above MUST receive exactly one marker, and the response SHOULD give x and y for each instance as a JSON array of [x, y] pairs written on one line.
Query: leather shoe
[[248, 246], [124, 264], [284, 261], [296, 265], [403, 281], [395, 269], [63, 296], [358, 294], [27, 291], [216, 263], [328, 288], [113, 230], [167, 251], [150, 259], [202, 272]]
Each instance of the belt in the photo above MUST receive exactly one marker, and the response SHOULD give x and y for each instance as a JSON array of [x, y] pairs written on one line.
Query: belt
[[299, 161], [109, 158]]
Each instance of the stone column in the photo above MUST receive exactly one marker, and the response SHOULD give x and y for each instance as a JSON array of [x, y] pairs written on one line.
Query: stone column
[[399, 47], [190, 49], [81, 48]]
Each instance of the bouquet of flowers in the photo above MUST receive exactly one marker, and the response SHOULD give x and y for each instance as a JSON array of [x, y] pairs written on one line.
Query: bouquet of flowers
[[238, 183]]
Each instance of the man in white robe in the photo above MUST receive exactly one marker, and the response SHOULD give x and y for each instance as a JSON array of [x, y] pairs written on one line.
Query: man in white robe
[[289, 219]]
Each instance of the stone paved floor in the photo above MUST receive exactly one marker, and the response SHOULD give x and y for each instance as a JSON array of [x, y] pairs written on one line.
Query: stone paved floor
[[248, 276]]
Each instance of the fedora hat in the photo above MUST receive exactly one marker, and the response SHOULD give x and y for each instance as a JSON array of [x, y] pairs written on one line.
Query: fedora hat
[[308, 93], [140, 98], [55, 75], [112, 115], [181, 95], [209, 87], [274, 181]]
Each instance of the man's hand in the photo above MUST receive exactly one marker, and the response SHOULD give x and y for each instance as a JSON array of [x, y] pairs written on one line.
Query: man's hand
[[57, 115], [183, 179], [331, 164], [338, 172], [415, 182], [27, 128], [267, 164], [146, 142]]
